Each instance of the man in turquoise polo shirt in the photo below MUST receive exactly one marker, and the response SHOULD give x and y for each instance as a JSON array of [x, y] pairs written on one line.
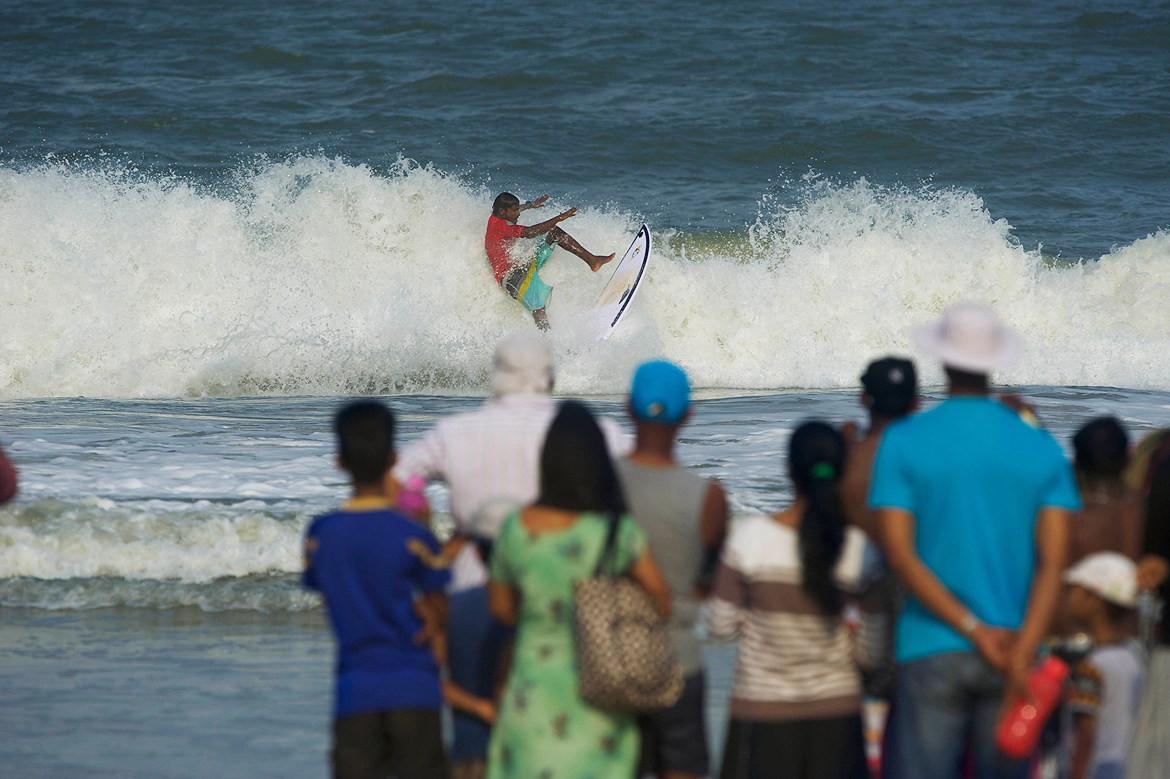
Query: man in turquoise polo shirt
[[974, 505]]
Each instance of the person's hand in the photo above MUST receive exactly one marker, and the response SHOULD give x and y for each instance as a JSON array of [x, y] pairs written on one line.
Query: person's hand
[[566, 214], [995, 645], [539, 202], [486, 711], [1152, 571], [1016, 687]]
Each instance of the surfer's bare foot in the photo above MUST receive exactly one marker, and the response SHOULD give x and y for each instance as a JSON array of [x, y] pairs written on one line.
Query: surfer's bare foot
[[541, 319], [598, 261]]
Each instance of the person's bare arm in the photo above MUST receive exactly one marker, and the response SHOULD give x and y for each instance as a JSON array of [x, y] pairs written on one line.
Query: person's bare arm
[[433, 609], [646, 573], [462, 700], [538, 203], [1051, 550], [503, 602], [1086, 735], [897, 525], [548, 224], [713, 520]]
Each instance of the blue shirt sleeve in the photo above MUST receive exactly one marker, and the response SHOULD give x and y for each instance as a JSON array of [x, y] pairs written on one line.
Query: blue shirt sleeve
[[891, 486]]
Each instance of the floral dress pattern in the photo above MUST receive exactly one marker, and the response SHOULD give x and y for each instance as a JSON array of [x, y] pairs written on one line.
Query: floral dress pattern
[[544, 730]]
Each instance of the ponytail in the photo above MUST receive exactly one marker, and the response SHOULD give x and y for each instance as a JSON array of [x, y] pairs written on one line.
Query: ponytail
[[816, 456]]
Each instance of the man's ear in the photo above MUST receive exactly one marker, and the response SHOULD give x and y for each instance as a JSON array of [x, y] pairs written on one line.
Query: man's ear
[[393, 460], [866, 399], [339, 461], [915, 404]]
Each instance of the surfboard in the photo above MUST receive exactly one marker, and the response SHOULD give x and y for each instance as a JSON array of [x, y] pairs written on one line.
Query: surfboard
[[623, 284]]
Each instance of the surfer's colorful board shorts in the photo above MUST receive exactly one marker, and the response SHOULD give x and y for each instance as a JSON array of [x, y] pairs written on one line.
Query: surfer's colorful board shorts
[[524, 283]]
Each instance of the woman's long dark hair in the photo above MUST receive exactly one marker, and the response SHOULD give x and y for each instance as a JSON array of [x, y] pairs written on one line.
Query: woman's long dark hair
[[816, 456], [576, 473]]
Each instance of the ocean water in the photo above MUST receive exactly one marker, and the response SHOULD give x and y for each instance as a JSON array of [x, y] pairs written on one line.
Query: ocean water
[[217, 221]]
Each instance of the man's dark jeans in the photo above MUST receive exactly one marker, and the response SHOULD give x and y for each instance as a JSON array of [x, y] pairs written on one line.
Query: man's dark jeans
[[943, 704]]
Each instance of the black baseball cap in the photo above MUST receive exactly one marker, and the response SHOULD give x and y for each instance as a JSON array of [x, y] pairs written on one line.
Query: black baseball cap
[[892, 383]]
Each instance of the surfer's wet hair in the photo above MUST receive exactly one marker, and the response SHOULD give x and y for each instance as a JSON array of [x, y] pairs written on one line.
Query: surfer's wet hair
[[365, 440], [504, 200]]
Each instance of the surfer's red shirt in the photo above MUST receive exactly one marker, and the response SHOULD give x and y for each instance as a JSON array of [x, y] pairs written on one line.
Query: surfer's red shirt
[[498, 242]]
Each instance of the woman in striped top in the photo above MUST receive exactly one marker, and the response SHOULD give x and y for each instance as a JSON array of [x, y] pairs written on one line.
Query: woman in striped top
[[796, 705]]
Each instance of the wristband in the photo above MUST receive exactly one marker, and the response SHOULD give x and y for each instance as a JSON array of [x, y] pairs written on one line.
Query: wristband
[[969, 624]]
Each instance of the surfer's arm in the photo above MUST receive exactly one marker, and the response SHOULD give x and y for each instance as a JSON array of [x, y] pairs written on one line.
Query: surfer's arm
[[546, 225], [538, 203]]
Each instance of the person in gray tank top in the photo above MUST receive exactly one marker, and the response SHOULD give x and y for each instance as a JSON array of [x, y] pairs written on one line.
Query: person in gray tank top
[[684, 517]]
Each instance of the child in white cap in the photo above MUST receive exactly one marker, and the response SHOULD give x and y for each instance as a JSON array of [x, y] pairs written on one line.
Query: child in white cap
[[1105, 687]]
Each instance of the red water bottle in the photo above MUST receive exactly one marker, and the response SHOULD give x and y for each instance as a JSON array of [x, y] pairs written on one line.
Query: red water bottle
[[1018, 731]]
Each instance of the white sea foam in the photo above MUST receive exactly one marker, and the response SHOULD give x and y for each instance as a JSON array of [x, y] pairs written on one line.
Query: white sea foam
[[188, 543], [317, 277]]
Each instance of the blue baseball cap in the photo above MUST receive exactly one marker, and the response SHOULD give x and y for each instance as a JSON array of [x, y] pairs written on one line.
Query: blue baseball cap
[[660, 392]]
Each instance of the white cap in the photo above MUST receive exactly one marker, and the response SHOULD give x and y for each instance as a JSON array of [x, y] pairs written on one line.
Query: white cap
[[970, 338], [522, 365], [1110, 575]]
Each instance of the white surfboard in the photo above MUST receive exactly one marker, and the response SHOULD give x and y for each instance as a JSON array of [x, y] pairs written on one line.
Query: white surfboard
[[623, 285]]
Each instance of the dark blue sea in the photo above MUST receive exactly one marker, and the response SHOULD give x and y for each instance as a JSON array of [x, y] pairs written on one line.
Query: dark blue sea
[[219, 219]]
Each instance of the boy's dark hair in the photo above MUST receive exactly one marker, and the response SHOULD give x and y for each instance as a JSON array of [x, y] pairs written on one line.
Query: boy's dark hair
[[891, 384], [504, 200], [1102, 448], [365, 438]]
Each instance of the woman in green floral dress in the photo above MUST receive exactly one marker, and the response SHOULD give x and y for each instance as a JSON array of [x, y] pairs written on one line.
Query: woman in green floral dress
[[544, 730]]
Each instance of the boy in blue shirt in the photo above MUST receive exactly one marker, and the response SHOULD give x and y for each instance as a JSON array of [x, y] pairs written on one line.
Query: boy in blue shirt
[[384, 594]]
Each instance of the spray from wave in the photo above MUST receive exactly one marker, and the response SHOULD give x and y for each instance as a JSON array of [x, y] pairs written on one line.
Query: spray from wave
[[313, 276]]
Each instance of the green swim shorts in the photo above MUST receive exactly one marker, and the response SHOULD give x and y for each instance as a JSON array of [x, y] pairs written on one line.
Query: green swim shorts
[[524, 283]]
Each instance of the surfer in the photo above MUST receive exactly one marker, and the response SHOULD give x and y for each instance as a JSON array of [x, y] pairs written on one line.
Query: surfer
[[520, 278]]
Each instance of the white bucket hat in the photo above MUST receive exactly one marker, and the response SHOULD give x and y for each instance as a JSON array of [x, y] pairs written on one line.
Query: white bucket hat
[[523, 364], [970, 338], [1110, 575]]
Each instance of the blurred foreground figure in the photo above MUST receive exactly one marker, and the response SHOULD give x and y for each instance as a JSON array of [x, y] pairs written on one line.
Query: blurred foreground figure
[[1103, 689], [1149, 755], [685, 520], [974, 505], [796, 704], [545, 729], [490, 460], [385, 600]]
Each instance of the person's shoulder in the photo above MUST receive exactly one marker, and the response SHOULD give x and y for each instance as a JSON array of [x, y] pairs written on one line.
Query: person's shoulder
[[324, 521]]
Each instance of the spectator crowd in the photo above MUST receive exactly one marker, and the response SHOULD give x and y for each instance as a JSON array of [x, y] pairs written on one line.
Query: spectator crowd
[[926, 567]]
